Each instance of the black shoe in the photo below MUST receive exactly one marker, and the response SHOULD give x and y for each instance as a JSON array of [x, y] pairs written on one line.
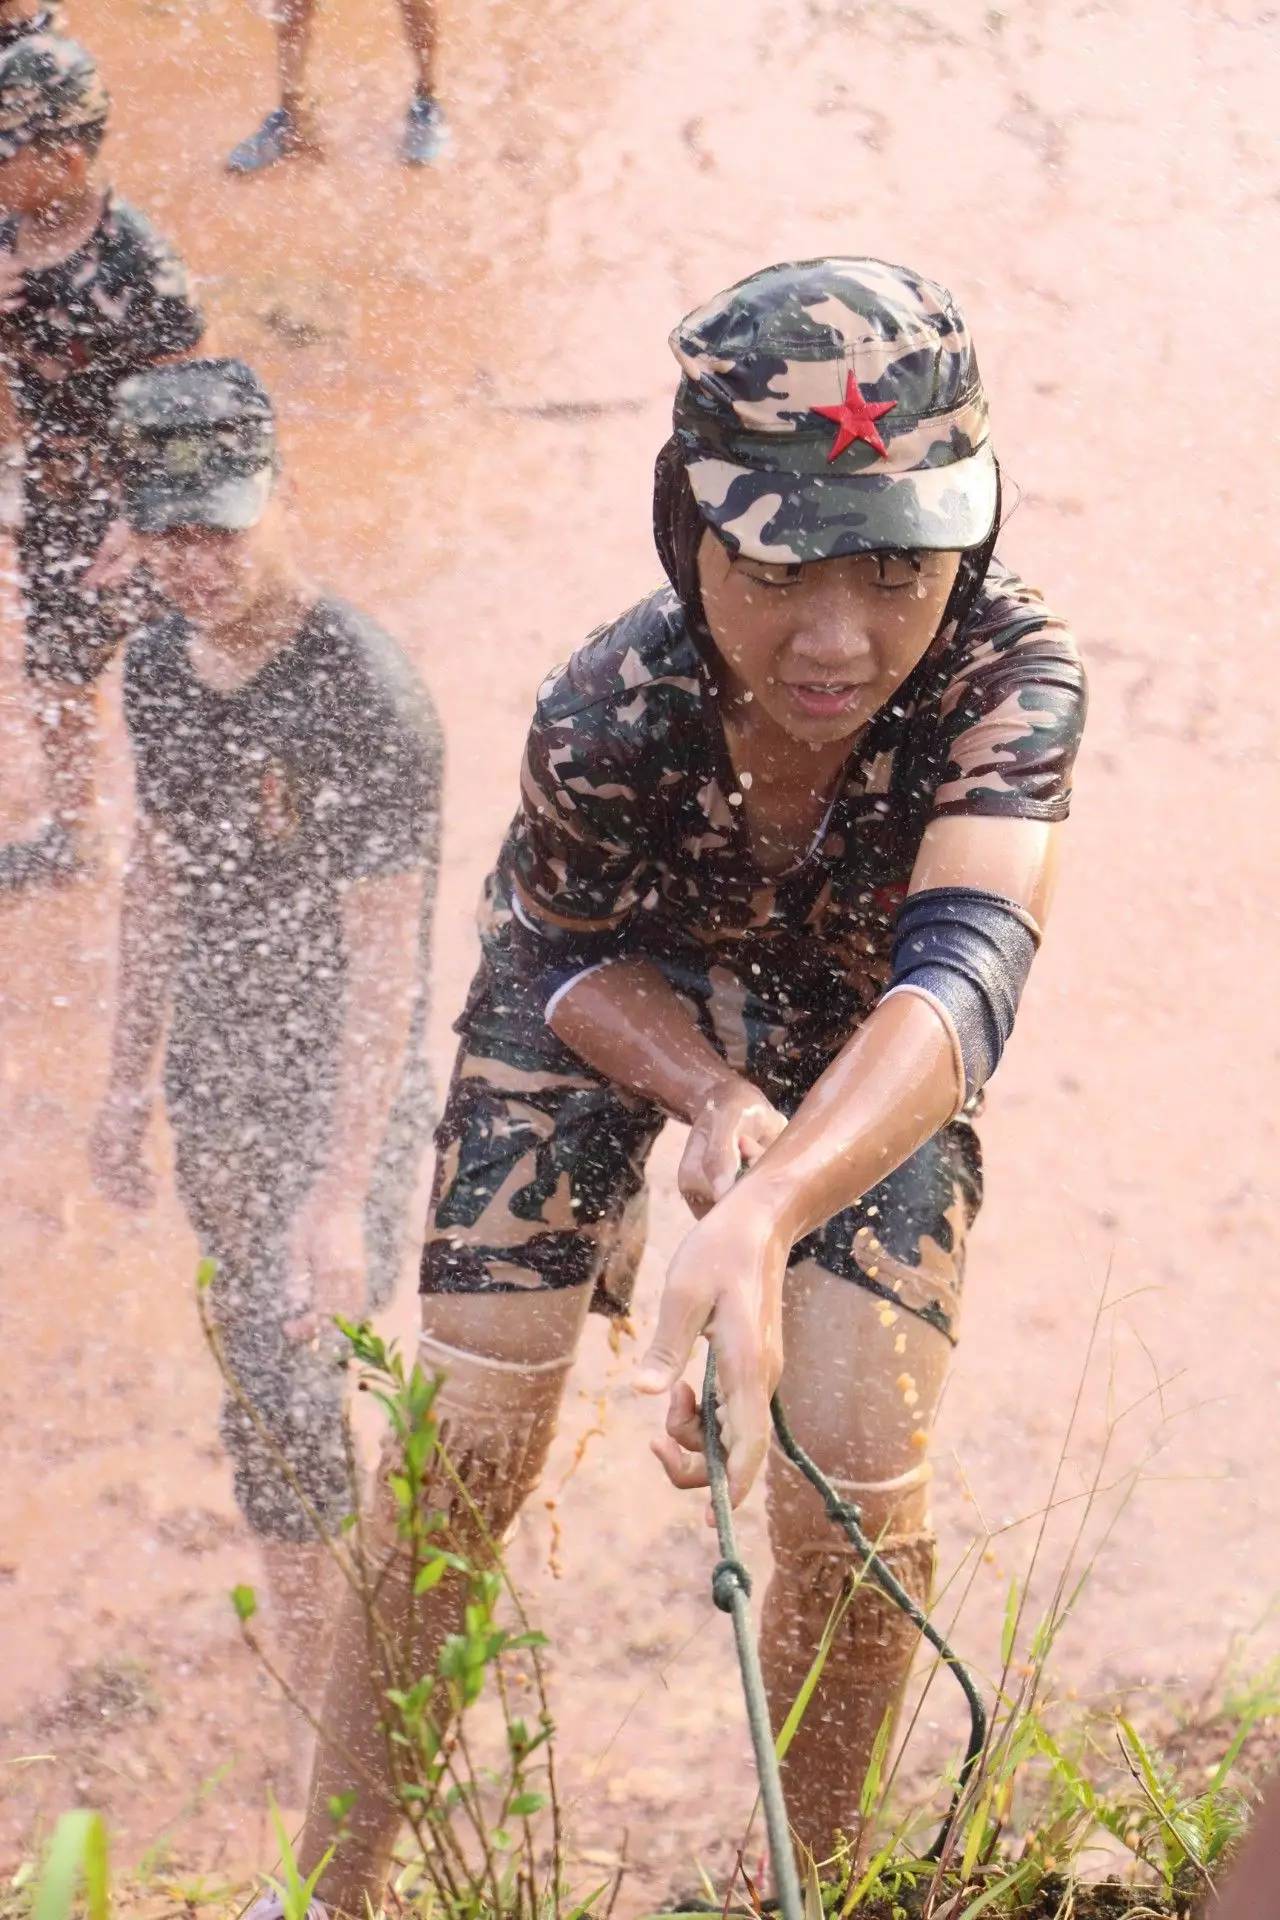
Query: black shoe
[[280, 137], [426, 134]]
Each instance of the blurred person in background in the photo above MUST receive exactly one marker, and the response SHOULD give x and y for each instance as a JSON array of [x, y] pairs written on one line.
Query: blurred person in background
[[89, 292], [19, 17], [275, 918], [786, 843], [291, 130]]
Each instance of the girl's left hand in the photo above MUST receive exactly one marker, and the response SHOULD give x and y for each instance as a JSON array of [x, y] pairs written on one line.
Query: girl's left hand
[[725, 1280]]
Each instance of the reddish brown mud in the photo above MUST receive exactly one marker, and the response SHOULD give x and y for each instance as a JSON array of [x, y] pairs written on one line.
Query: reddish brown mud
[[473, 376]]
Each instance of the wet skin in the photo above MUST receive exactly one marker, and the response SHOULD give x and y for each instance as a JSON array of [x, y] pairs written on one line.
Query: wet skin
[[811, 654]]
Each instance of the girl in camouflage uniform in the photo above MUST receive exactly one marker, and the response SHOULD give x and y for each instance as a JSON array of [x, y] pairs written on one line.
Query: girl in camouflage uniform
[[784, 849]]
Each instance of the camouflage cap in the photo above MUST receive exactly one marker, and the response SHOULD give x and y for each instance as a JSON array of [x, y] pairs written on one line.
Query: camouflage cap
[[831, 407], [50, 88], [194, 446]]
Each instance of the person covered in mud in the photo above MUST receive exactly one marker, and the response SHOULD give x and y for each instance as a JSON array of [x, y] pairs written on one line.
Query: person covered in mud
[[290, 131], [784, 853], [276, 913], [89, 292]]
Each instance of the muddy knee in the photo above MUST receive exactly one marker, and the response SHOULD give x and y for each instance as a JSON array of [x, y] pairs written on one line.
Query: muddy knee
[[818, 1571], [495, 1420]]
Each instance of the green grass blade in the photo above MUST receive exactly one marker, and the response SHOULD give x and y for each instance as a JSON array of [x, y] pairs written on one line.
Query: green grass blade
[[800, 1705], [1011, 1881], [78, 1848]]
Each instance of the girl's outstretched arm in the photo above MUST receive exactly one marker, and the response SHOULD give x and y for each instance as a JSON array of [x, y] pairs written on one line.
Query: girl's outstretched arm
[[898, 1080]]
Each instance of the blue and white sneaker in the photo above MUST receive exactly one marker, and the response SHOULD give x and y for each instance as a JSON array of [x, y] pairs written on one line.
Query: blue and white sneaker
[[426, 133]]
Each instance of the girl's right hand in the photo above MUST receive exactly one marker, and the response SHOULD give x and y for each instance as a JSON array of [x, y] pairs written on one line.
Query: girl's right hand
[[731, 1131]]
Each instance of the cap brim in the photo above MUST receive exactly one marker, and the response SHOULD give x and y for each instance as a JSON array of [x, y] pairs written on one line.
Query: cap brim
[[790, 519], [228, 506]]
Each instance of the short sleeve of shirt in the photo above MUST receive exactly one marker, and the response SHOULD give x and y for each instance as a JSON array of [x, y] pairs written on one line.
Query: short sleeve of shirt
[[162, 316], [1011, 716], [378, 754], [580, 848]]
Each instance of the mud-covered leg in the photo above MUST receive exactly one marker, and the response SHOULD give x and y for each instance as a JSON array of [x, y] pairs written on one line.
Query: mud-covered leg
[[537, 1209], [290, 128], [505, 1359], [283, 1406], [861, 1385]]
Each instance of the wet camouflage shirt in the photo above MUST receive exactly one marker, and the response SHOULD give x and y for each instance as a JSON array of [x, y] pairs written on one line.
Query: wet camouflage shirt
[[72, 330], [631, 817]]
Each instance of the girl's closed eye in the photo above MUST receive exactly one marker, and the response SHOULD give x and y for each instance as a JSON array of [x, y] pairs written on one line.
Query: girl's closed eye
[[897, 572], [762, 575]]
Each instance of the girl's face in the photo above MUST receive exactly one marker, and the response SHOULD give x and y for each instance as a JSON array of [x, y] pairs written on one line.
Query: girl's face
[[822, 647], [41, 176], [211, 577]]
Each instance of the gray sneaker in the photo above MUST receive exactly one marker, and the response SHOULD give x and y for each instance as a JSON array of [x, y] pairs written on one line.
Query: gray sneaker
[[426, 133], [280, 137]]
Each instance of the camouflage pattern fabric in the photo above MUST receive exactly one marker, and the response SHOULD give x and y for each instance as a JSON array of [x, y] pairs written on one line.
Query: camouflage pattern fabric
[[48, 20], [539, 1181], [831, 407], [68, 334], [50, 88], [539, 1185], [194, 445]]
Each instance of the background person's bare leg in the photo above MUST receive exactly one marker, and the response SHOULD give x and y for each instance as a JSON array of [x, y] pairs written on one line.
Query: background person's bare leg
[[846, 1407], [289, 129], [497, 1421], [302, 1588], [425, 134]]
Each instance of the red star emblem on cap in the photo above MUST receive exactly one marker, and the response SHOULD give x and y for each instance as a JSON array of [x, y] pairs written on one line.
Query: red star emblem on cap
[[855, 419]]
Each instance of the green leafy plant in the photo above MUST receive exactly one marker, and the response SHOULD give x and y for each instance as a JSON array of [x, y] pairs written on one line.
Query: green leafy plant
[[487, 1841]]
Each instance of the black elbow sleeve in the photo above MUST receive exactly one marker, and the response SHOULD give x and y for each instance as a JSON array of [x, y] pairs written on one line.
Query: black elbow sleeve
[[970, 952]]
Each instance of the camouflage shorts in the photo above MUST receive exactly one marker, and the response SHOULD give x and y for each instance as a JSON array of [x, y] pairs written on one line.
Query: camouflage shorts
[[539, 1184]]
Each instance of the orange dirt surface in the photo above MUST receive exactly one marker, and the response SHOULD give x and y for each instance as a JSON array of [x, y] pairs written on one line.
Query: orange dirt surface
[[473, 377]]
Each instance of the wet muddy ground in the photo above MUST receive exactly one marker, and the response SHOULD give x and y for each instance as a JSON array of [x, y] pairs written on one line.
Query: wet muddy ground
[[472, 369]]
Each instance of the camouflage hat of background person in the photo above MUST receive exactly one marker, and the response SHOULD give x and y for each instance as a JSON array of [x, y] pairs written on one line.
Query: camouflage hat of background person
[[194, 446], [50, 89], [16, 26], [831, 407]]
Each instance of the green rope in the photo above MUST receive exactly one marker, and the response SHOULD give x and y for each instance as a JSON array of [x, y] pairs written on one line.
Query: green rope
[[731, 1592]]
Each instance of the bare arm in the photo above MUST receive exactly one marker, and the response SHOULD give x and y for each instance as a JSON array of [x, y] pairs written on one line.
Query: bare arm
[[629, 1024], [887, 1092], [382, 926], [894, 1084], [383, 929], [147, 957]]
